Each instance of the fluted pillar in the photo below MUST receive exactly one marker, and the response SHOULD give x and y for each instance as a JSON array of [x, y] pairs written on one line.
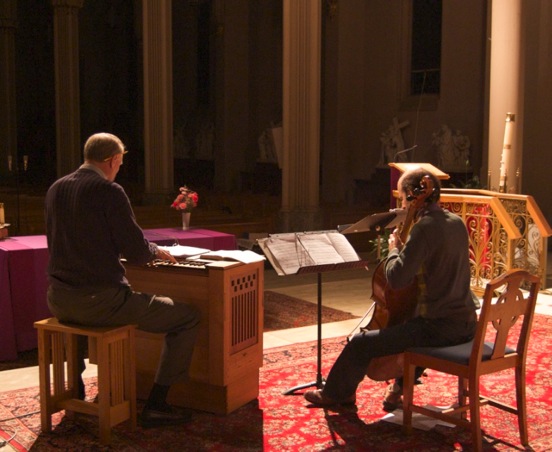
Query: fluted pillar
[[66, 62], [301, 115], [506, 92], [158, 99], [8, 129]]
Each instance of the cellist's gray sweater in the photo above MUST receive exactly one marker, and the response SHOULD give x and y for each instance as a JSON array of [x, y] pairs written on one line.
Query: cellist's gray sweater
[[444, 258]]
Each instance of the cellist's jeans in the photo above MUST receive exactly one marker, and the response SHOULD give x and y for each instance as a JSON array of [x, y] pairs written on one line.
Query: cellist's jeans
[[350, 367]]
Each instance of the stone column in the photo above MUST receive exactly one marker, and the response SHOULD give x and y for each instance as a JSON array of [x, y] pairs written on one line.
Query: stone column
[[66, 62], [8, 123], [301, 115], [158, 100], [506, 93]]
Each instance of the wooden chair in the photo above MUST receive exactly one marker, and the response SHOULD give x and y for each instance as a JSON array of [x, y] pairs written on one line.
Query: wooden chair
[[115, 358], [480, 357]]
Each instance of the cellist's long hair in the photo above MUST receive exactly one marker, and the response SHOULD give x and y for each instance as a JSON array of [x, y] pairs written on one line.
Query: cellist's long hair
[[410, 183]]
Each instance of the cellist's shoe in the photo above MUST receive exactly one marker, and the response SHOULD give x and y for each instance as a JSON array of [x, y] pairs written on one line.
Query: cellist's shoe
[[318, 398], [393, 398]]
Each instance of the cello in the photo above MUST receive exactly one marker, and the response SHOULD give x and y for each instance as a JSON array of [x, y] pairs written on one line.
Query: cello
[[395, 306]]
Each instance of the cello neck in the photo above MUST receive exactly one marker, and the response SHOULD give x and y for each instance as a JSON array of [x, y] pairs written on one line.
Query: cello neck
[[419, 197], [409, 220]]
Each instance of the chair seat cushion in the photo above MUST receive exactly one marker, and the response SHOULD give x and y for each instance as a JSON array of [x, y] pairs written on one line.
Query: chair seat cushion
[[457, 353]]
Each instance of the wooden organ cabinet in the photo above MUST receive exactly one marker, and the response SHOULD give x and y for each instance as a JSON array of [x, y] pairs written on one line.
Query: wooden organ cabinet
[[224, 374]]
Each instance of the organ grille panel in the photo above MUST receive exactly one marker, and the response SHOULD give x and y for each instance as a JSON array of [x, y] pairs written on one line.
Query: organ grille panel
[[245, 327]]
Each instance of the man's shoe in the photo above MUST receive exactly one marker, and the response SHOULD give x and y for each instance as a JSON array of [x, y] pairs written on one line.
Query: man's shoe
[[318, 398], [393, 398], [164, 416]]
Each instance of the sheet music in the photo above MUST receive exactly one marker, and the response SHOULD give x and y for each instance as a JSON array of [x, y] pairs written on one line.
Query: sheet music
[[244, 256], [287, 252], [292, 251], [328, 248], [182, 250]]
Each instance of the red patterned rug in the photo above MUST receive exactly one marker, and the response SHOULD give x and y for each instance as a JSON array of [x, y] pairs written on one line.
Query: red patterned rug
[[277, 422], [283, 311]]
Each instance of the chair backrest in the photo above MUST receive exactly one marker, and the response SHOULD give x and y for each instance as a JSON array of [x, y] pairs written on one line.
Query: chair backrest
[[503, 305]]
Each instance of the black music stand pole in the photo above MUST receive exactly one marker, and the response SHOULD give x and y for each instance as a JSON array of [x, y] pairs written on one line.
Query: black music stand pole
[[319, 382]]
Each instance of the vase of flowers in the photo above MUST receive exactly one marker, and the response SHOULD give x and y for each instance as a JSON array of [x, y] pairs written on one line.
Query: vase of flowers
[[185, 201], [186, 220]]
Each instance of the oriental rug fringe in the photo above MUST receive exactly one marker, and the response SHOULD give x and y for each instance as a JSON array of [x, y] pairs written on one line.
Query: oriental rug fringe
[[276, 422]]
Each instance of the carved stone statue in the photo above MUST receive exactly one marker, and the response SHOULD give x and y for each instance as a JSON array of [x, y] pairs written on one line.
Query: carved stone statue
[[453, 149], [266, 153], [269, 142], [462, 147], [392, 143]]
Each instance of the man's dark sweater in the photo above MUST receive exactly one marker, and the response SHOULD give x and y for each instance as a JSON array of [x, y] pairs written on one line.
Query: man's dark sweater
[[90, 225]]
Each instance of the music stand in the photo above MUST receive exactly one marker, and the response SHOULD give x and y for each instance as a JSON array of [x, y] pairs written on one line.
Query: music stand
[[310, 252], [375, 222], [319, 382]]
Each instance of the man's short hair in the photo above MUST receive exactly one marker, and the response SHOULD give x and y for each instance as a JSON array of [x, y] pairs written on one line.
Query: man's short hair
[[411, 180], [101, 146]]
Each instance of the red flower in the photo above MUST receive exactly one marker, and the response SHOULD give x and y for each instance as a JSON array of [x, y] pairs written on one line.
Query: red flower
[[186, 200]]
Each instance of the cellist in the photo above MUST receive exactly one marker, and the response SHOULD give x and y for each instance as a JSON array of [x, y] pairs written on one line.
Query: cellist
[[437, 253]]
